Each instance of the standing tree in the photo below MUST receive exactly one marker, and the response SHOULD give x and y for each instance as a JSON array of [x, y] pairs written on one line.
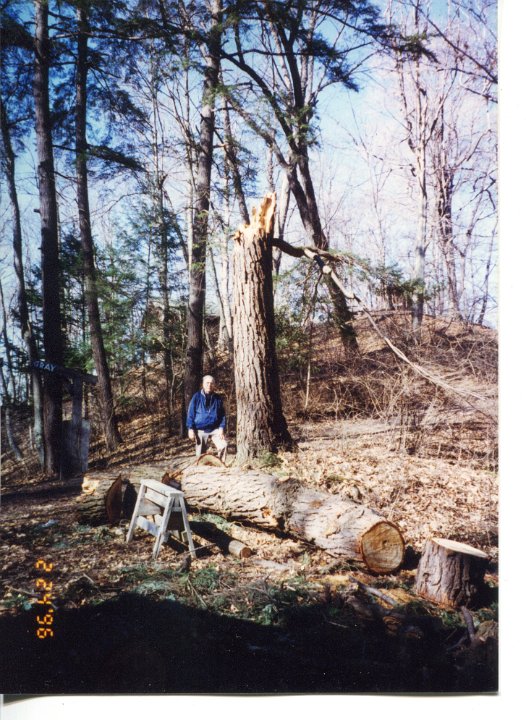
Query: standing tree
[[22, 304], [197, 258], [111, 432], [52, 324], [287, 56], [261, 425]]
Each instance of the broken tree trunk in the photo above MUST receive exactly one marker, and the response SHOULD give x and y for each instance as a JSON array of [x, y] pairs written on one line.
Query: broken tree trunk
[[261, 424], [334, 523], [450, 573]]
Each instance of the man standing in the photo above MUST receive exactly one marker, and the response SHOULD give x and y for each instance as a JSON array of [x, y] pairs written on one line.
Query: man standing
[[206, 419]]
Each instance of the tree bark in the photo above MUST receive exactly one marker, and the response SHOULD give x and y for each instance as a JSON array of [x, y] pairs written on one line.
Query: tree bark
[[197, 259], [334, 523], [22, 304], [52, 326], [104, 388], [450, 573], [261, 425], [101, 500]]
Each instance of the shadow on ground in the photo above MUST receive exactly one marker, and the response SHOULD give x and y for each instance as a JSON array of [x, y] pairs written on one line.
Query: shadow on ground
[[139, 645]]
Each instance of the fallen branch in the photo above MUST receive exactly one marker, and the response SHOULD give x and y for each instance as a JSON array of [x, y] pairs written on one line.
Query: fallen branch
[[21, 591], [323, 258]]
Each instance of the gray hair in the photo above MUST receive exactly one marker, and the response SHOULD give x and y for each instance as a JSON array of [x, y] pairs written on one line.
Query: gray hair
[[209, 377]]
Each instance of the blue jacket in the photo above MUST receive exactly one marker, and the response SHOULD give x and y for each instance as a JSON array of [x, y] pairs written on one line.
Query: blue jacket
[[206, 412]]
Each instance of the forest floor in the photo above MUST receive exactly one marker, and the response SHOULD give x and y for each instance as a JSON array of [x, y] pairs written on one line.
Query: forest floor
[[289, 618]]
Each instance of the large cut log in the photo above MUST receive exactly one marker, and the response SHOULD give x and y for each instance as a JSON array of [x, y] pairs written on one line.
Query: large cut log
[[450, 573], [101, 499], [334, 523], [109, 495]]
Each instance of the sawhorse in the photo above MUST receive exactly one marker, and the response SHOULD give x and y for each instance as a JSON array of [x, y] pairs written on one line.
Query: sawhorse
[[160, 501]]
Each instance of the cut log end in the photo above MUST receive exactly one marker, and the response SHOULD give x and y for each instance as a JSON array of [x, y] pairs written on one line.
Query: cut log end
[[210, 460], [382, 547]]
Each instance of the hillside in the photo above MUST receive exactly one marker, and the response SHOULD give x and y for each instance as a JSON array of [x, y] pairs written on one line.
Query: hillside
[[423, 455]]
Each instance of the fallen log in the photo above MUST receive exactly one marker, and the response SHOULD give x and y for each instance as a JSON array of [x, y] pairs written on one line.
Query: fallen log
[[450, 573], [334, 523], [101, 499]]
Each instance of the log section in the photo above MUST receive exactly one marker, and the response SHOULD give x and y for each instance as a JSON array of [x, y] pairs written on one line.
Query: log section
[[223, 540], [101, 499], [450, 573], [332, 522]]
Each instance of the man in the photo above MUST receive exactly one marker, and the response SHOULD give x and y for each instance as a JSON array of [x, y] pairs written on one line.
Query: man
[[206, 419]]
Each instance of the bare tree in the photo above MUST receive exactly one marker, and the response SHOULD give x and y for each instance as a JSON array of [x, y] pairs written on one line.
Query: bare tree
[[291, 66], [104, 388]]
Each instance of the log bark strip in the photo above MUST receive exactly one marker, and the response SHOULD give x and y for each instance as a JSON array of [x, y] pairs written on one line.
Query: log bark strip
[[450, 573], [332, 522]]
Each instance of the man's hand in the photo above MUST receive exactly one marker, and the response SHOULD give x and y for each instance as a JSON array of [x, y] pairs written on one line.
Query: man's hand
[[191, 434]]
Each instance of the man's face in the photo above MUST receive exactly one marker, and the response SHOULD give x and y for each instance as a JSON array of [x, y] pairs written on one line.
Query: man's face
[[208, 385]]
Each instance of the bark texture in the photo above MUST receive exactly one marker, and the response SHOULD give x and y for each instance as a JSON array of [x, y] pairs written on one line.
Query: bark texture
[[332, 522], [450, 573], [101, 499], [261, 425]]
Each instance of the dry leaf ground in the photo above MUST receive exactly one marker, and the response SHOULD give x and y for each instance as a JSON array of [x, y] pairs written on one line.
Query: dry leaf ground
[[288, 618]]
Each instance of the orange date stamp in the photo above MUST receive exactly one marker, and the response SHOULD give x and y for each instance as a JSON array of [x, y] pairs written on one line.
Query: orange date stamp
[[44, 589]]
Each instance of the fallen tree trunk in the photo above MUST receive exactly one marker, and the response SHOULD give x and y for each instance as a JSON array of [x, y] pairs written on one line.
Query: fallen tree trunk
[[334, 523]]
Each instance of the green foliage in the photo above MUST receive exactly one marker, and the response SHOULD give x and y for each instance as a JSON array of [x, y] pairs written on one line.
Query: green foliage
[[217, 520], [269, 460], [489, 613], [205, 579], [17, 601]]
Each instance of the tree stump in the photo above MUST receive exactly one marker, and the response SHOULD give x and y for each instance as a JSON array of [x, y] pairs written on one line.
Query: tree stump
[[450, 573]]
